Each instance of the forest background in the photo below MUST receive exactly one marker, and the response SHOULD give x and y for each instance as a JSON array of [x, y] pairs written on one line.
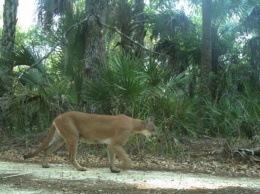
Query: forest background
[[195, 68]]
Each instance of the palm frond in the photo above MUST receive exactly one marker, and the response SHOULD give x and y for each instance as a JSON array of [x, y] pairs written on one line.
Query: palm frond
[[48, 9], [168, 23]]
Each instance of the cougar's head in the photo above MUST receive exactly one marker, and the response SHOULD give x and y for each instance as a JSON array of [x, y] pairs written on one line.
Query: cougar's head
[[149, 128]]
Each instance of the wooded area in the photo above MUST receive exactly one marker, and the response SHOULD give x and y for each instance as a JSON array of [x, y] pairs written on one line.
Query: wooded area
[[196, 69]]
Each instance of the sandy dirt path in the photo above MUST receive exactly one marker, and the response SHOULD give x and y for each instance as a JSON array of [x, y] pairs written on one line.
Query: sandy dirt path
[[29, 178]]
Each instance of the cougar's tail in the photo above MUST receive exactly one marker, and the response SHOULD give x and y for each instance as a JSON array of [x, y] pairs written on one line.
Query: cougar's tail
[[43, 145]]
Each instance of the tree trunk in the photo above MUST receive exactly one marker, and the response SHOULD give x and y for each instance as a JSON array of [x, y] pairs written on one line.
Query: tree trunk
[[254, 46], [214, 82], [95, 52], [7, 48], [124, 24], [206, 44], [8, 41], [8, 34], [206, 53], [139, 18]]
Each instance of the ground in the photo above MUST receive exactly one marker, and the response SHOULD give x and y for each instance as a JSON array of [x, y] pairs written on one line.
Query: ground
[[208, 170]]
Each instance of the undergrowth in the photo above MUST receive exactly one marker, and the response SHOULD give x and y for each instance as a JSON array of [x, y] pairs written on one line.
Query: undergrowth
[[138, 89]]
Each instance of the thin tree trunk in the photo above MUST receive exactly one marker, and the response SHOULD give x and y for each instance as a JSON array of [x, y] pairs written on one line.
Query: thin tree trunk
[[7, 48], [139, 21], [254, 46], [206, 44], [124, 24], [95, 52], [7, 42], [8, 34], [206, 53]]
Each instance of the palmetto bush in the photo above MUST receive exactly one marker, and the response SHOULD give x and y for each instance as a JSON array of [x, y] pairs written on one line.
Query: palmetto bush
[[127, 85], [32, 106], [120, 84], [234, 115], [141, 89], [138, 88], [35, 98]]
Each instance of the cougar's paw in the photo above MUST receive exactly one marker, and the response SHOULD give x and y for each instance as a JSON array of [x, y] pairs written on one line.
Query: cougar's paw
[[114, 170], [46, 166], [82, 169]]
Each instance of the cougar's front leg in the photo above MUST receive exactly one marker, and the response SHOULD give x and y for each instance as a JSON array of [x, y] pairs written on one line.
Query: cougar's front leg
[[120, 152], [111, 158]]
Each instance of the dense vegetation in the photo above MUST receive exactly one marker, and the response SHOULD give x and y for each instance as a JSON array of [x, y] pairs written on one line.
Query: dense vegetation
[[152, 64]]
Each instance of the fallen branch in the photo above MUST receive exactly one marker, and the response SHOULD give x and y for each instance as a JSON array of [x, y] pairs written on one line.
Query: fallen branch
[[251, 154], [11, 176]]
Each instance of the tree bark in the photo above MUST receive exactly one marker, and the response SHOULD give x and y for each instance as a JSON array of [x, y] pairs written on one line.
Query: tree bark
[[206, 44], [9, 28], [8, 42], [139, 18], [206, 59], [254, 46], [95, 52], [124, 24], [7, 48]]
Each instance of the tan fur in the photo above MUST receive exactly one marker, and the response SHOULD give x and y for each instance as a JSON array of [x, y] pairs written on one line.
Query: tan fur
[[71, 127]]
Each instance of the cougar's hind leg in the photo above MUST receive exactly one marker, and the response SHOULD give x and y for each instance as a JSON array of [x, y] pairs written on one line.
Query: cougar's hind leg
[[54, 145], [72, 146], [111, 158]]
